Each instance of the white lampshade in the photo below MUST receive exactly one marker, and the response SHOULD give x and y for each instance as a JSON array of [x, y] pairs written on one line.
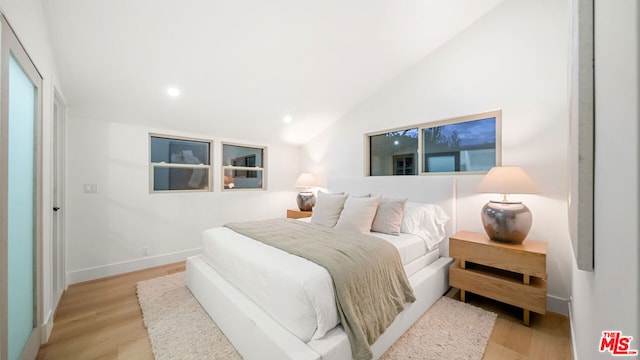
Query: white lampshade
[[507, 180], [306, 180]]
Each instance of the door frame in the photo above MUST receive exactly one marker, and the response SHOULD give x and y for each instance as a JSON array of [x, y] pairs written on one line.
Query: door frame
[[58, 175]]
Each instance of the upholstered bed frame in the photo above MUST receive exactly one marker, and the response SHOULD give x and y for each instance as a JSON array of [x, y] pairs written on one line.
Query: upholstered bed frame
[[256, 335]]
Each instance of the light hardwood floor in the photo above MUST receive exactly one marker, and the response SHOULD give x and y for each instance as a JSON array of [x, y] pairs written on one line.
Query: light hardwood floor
[[548, 337], [101, 319]]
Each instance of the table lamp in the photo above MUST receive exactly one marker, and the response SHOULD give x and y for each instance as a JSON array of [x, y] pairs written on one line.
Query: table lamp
[[506, 221], [306, 199]]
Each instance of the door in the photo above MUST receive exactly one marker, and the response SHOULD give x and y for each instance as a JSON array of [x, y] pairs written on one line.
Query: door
[[20, 198]]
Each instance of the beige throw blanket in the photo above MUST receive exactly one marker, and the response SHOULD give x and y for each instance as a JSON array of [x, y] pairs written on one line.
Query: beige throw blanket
[[370, 283]]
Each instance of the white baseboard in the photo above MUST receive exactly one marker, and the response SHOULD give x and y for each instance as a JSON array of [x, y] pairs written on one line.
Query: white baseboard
[[573, 332], [46, 328], [128, 266], [558, 305]]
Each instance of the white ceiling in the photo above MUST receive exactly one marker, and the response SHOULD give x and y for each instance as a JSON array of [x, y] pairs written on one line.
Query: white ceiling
[[241, 65]]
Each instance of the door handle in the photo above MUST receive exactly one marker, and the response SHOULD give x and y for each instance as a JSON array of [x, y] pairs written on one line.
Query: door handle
[[55, 208]]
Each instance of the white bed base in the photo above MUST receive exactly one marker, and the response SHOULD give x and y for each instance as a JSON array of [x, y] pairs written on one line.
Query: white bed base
[[256, 335]]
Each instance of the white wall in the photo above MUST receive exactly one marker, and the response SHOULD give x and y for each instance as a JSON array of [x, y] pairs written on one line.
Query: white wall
[[609, 298], [26, 17], [107, 231], [514, 59]]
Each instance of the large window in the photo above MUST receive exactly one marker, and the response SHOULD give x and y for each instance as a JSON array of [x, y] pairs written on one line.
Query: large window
[[243, 167], [179, 164], [461, 145]]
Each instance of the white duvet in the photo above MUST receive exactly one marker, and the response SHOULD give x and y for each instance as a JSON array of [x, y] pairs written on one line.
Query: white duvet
[[296, 292]]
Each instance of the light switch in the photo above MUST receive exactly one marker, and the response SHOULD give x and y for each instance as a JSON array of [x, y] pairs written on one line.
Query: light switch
[[90, 188]]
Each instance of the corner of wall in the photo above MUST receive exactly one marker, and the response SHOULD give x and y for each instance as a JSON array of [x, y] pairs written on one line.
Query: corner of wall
[[558, 305]]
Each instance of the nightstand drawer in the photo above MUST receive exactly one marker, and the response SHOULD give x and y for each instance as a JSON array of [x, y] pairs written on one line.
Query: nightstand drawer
[[501, 286], [529, 258]]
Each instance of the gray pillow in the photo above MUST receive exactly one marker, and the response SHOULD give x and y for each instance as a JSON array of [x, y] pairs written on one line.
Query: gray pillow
[[389, 216]]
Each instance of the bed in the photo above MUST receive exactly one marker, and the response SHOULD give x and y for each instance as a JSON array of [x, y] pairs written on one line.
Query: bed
[[235, 286]]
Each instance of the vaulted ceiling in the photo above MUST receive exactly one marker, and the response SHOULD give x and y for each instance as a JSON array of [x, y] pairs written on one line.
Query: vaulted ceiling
[[241, 66]]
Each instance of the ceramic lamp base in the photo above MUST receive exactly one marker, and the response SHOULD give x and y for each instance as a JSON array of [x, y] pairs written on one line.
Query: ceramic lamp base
[[508, 222], [306, 200]]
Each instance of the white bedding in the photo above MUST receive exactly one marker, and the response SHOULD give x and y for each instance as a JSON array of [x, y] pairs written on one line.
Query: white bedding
[[296, 292]]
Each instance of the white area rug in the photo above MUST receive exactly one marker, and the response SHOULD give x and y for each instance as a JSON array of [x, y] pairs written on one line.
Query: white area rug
[[179, 328]]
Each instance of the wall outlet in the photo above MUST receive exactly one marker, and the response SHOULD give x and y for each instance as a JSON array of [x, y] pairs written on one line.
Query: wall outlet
[[146, 250]]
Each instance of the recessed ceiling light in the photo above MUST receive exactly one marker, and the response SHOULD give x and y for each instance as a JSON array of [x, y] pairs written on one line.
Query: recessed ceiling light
[[173, 91], [287, 119], [396, 142]]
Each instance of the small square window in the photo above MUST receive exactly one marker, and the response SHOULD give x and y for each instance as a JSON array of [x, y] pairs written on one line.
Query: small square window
[[243, 167], [179, 164]]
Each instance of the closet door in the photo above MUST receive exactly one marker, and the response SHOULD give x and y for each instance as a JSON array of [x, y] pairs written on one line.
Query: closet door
[[20, 93]]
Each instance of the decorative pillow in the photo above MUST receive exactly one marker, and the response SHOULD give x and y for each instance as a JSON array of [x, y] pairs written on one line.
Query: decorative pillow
[[389, 216], [328, 208], [426, 221], [358, 214]]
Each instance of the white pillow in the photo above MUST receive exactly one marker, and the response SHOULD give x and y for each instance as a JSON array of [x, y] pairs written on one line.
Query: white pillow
[[327, 209], [425, 220], [358, 214], [389, 216]]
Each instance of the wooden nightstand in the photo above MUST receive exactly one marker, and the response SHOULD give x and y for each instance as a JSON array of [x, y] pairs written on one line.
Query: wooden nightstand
[[513, 274], [297, 214]]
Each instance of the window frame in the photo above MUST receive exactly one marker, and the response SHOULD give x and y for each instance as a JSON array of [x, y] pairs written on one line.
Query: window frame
[[258, 170], [497, 114], [153, 166]]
